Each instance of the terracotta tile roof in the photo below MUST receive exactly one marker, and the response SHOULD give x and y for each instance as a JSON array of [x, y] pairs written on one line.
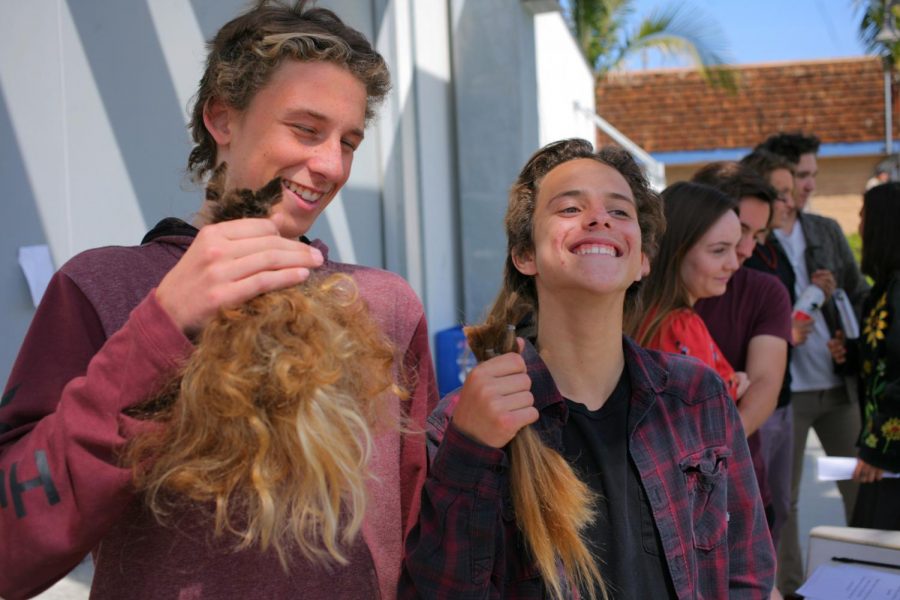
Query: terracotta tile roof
[[840, 100]]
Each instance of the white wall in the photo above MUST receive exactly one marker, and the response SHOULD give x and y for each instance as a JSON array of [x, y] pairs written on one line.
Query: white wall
[[80, 186], [436, 146], [563, 81]]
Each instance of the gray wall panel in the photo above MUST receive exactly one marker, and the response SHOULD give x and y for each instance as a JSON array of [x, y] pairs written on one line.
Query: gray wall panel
[[212, 14], [140, 101], [497, 130]]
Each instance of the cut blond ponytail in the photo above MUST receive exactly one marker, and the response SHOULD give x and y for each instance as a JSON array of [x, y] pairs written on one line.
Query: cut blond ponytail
[[269, 426]]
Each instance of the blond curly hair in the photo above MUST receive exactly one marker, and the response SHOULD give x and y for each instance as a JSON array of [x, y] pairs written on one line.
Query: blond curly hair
[[270, 423]]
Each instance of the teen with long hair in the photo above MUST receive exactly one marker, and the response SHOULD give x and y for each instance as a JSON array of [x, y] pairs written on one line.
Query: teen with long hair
[[278, 467], [574, 462], [696, 259]]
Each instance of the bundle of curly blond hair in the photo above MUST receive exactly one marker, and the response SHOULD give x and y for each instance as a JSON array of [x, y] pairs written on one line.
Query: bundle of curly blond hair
[[270, 423]]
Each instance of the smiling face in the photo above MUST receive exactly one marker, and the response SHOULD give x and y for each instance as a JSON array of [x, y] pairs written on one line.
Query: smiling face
[[303, 126], [783, 182], [586, 232], [709, 264]]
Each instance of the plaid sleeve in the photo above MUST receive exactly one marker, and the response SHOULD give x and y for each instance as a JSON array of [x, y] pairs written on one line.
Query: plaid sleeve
[[751, 557], [452, 550]]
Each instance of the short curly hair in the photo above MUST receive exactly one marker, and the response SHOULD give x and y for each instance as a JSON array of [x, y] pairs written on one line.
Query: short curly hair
[[247, 50]]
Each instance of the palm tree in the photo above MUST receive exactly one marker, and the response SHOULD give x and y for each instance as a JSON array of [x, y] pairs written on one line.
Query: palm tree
[[675, 30], [879, 28], [879, 31]]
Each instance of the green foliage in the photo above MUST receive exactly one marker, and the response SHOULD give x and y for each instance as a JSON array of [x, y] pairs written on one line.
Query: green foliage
[[855, 242], [871, 24], [675, 30]]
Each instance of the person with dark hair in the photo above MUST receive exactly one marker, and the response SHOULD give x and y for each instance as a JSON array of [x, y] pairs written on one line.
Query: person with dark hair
[[822, 397], [779, 173], [573, 458], [878, 361], [777, 433], [750, 321], [284, 101], [696, 259], [800, 150]]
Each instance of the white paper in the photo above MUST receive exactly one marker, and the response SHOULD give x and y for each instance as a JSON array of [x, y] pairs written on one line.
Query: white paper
[[838, 468], [848, 315], [38, 268], [835, 581]]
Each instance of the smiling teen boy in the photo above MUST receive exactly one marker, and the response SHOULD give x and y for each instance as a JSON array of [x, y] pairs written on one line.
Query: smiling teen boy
[[654, 438], [286, 93]]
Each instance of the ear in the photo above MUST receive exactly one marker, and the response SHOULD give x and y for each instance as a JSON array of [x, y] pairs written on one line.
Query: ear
[[645, 267], [525, 263], [217, 117]]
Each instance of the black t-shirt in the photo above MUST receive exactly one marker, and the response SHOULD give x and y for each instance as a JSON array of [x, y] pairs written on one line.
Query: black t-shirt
[[624, 539]]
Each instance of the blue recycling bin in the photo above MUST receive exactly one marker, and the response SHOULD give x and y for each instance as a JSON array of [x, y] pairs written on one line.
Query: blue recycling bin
[[453, 357]]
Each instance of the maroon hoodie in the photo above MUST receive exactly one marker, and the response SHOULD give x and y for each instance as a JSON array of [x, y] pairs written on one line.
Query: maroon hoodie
[[100, 343]]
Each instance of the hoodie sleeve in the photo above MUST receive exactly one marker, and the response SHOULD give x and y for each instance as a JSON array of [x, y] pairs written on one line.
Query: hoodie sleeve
[[61, 426]]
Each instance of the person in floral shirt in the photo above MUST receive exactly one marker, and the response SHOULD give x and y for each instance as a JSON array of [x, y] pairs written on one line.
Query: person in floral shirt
[[878, 504]]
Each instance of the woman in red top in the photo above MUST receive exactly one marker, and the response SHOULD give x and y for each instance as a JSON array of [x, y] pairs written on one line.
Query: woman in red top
[[696, 259]]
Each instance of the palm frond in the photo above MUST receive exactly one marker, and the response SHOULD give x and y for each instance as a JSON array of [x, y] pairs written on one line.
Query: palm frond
[[683, 32], [600, 28], [872, 20]]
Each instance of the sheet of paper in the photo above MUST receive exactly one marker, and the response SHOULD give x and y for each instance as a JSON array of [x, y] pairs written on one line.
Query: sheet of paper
[[847, 313], [834, 581], [838, 468], [37, 265]]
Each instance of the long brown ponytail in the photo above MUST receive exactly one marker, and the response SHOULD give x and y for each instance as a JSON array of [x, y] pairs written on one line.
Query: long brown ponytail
[[552, 505]]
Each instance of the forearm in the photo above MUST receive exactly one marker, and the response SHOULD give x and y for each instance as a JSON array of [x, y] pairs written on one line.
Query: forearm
[[450, 553], [766, 364], [758, 403], [63, 481]]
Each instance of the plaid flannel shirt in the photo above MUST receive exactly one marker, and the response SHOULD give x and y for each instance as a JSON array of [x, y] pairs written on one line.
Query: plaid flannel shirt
[[686, 440]]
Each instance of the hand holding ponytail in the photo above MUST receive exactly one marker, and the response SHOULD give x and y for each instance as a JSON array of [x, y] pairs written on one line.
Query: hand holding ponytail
[[551, 504], [496, 401]]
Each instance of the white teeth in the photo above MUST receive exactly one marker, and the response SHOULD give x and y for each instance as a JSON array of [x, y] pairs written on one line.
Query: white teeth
[[307, 195], [586, 249]]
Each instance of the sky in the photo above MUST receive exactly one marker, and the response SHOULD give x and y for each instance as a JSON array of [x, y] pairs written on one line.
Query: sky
[[775, 30]]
